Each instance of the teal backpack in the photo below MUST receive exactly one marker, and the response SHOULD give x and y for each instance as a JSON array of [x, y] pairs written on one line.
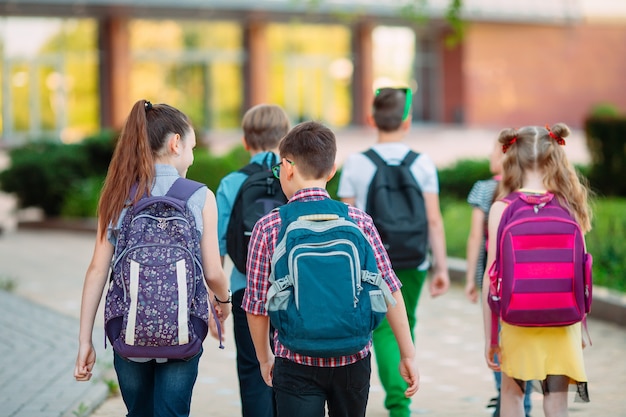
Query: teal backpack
[[327, 294]]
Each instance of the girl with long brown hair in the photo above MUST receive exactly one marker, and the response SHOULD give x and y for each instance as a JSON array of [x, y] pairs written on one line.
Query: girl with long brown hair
[[154, 149]]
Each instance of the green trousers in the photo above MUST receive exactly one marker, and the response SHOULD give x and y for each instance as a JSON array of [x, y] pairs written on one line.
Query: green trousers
[[386, 349]]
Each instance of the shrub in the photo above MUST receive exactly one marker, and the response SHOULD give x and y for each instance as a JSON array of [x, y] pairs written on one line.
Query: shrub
[[457, 181], [210, 169], [606, 140], [42, 172], [82, 198]]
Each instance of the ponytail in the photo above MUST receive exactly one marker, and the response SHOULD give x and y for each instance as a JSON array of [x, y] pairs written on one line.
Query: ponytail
[[132, 163]]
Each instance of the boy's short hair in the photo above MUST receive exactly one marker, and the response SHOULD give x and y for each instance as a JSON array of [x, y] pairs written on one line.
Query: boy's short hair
[[388, 109], [264, 125], [313, 148]]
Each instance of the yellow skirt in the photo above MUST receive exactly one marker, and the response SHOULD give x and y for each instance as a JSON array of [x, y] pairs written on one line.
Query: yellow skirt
[[533, 353]]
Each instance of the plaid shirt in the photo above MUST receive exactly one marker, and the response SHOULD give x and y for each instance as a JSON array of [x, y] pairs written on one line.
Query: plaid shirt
[[262, 243]]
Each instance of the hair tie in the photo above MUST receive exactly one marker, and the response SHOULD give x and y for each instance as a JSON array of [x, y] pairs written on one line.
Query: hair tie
[[508, 145], [148, 105], [554, 136]]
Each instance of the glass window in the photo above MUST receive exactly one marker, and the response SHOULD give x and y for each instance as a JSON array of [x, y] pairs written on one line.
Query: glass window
[[49, 78], [194, 66], [311, 80]]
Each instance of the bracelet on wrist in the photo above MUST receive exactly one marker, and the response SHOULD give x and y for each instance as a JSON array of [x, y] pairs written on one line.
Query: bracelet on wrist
[[227, 301]]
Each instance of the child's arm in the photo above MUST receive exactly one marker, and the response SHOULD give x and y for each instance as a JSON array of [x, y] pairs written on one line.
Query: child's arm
[[399, 323], [474, 241], [259, 331], [495, 213], [213, 272], [441, 280], [93, 287]]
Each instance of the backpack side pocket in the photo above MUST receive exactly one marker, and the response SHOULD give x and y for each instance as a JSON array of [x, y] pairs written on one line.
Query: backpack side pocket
[[588, 276]]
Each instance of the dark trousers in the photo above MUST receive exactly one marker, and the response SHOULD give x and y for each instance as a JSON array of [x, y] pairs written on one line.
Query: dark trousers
[[257, 399], [304, 391]]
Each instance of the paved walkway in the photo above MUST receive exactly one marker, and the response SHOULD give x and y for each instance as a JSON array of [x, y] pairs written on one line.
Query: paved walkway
[[38, 342]]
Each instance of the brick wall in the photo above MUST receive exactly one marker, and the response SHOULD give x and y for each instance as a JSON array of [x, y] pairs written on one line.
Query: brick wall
[[516, 75]]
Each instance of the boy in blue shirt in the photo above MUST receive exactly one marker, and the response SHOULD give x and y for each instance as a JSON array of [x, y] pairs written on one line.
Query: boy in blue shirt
[[263, 126]]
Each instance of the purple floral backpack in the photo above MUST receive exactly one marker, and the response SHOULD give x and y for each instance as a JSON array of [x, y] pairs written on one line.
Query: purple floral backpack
[[157, 303]]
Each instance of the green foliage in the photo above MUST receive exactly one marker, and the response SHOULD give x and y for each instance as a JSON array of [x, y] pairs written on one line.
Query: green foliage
[[210, 169], [457, 218], [82, 410], [457, 181], [606, 141], [333, 185], [45, 173], [81, 199], [98, 150], [607, 243], [41, 172], [7, 283], [604, 110]]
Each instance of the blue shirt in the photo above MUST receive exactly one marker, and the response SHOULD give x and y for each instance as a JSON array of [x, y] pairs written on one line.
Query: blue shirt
[[225, 197]]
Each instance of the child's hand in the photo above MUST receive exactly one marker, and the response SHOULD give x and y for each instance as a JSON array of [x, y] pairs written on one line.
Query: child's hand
[[213, 328], [84, 362], [409, 372], [491, 353], [267, 370], [440, 283], [223, 310], [470, 291]]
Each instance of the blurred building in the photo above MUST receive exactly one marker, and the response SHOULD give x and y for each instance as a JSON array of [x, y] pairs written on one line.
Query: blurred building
[[73, 67]]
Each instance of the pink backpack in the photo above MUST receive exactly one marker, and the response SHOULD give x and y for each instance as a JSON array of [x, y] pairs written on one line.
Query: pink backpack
[[541, 276]]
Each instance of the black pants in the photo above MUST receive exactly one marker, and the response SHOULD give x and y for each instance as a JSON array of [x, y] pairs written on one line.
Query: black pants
[[257, 398], [304, 391]]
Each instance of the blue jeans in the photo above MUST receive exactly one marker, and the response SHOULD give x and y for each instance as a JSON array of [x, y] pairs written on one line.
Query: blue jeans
[[304, 391], [151, 389], [257, 398]]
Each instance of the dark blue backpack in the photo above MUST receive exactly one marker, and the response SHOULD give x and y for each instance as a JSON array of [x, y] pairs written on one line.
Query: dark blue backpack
[[259, 194], [326, 294], [157, 303]]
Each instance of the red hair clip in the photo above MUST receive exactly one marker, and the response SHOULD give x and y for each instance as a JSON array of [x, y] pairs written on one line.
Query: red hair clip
[[554, 136], [506, 146]]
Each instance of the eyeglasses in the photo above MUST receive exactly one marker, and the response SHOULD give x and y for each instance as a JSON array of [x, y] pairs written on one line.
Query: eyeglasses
[[409, 98], [276, 168]]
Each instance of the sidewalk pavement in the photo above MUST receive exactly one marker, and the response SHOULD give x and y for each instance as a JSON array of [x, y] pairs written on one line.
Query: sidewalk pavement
[[38, 343]]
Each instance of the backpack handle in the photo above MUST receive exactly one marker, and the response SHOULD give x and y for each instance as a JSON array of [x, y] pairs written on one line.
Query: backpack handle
[[319, 217]]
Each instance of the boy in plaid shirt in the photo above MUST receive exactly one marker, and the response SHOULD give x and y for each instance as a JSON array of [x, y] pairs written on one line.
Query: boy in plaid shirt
[[303, 385]]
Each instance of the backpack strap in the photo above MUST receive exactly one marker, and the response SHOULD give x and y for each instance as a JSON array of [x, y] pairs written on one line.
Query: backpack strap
[[375, 158], [409, 159], [183, 189], [254, 167], [380, 162]]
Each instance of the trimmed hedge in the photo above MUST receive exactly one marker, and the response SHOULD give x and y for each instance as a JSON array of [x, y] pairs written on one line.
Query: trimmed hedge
[[44, 173], [606, 140]]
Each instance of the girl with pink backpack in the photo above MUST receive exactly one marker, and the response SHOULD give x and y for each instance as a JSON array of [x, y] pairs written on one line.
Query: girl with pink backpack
[[525, 279]]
